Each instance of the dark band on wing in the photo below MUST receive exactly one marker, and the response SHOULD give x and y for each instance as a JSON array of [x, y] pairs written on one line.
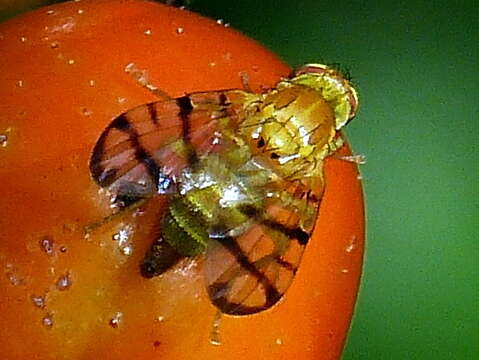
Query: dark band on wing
[[296, 233], [311, 197], [223, 99], [233, 308], [103, 177], [107, 177], [186, 107], [153, 113], [286, 264], [141, 154], [217, 291]]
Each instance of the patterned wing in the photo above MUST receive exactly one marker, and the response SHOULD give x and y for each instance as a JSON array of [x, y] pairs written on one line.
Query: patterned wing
[[144, 149], [250, 272]]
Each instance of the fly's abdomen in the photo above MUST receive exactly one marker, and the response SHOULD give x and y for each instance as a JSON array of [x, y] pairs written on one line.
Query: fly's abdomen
[[207, 203], [182, 234], [184, 228]]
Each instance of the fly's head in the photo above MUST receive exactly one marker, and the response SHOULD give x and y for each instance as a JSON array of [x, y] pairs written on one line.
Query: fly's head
[[333, 86]]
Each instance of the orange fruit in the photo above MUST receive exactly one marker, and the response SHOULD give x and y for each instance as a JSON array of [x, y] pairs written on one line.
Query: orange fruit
[[65, 295]]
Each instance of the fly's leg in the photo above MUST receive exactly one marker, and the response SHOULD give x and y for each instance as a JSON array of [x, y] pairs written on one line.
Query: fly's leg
[[244, 76], [215, 329], [141, 77], [336, 144], [129, 209], [358, 159]]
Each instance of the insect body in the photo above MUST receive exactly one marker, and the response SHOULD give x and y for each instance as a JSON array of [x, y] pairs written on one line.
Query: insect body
[[243, 173]]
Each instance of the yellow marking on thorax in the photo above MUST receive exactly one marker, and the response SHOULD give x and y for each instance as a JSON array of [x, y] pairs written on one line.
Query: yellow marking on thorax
[[296, 125]]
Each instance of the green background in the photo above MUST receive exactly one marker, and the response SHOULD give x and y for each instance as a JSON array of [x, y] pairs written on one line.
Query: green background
[[416, 65]]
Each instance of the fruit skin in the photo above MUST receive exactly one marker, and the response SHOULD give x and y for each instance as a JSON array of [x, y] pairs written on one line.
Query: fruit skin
[[62, 81]]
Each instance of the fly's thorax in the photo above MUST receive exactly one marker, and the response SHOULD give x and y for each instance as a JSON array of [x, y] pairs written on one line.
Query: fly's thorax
[[216, 193], [291, 130]]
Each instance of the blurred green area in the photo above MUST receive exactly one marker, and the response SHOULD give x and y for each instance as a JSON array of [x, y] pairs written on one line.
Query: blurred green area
[[416, 66], [10, 8]]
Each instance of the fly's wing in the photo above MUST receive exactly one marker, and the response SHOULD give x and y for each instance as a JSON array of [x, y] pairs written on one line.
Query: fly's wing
[[250, 272], [144, 149]]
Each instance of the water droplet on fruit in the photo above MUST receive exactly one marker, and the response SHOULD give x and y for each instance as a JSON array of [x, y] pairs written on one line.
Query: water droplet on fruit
[[123, 237], [46, 244], [147, 32], [279, 341], [180, 30], [23, 39], [344, 271], [71, 61], [222, 22], [85, 112], [38, 301], [351, 245], [92, 83], [80, 11], [127, 250], [50, 12], [3, 140], [47, 321], [64, 282], [139, 212], [13, 276], [54, 44], [20, 83], [116, 320]]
